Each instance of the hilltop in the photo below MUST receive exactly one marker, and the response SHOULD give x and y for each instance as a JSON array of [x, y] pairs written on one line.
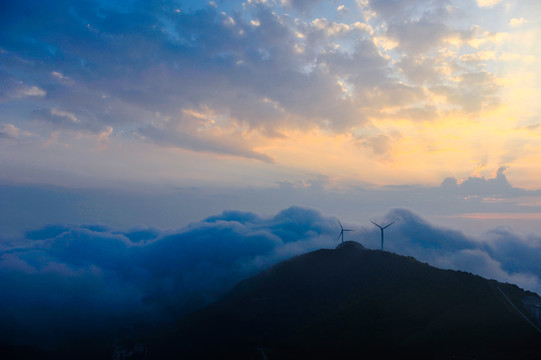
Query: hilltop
[[351, 302]]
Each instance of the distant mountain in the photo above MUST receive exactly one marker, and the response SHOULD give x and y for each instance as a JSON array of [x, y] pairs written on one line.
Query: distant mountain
[[354, 303]]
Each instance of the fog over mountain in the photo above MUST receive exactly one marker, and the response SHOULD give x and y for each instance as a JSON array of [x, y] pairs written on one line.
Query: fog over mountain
[[351, 302], [85, 279]]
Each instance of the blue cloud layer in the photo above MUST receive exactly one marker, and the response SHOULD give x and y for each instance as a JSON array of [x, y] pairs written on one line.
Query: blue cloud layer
[[64, 282], [65, 276], [498, 254]]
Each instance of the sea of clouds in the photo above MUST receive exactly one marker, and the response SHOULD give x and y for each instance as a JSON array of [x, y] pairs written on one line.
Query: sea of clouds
[[66, 282]]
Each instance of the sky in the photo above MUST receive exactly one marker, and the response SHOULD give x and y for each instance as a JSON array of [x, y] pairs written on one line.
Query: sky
[[299, 100], [140, 129], [251, 93]]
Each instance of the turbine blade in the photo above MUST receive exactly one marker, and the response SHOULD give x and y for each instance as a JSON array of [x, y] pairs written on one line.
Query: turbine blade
[[340, 223], [376, 224], [389, 225]]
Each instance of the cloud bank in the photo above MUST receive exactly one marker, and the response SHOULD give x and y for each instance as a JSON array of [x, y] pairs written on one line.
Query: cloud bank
[[498, 254], [81, 280], [62, 283]]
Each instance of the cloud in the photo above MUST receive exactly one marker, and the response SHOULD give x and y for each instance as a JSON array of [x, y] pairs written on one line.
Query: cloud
[[475, 91], [30, 91], [63, 120], [302, 5], [498, 254], [399, 9], [425, 113], [488, 3], [479, 186], [257, 68], [10, 131], [509, 56], [224, 144], [420, 69], [342, 9], [104, 277], [86, 281], [517, 22], [379, 145], [420, 36], [13, 89]]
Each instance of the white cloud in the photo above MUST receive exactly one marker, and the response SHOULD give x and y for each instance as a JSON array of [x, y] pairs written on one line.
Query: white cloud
[[331, 28], [517, 22], [64, 114], [509, 56], [478, 56], [23, 91], [61, 78], [33, 91], [10, 131], [342, 9], [488, 3]]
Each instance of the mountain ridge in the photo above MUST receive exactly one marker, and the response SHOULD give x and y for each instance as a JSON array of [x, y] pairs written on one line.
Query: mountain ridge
[[352, 301]]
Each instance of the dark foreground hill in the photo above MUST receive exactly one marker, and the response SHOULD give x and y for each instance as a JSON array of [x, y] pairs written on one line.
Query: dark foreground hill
[[358, 304]]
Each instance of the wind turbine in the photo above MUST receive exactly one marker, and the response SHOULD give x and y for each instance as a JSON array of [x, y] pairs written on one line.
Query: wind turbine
[[382, 228], [342, 232]]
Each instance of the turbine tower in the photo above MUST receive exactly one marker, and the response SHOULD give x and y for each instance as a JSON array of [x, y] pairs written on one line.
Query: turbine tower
[[382, 228], [342, 231]]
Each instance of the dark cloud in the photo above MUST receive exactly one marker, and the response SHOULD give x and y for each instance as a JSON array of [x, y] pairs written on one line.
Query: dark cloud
[[390, 8], [394, 95], [420, 69], [499, 254], [475, 91], [425, 113], [497, 186], [364, 67], [303, 5], [397, 10], [516, 253], [104, 277], [379, 145], [415, 37], [228, 144]]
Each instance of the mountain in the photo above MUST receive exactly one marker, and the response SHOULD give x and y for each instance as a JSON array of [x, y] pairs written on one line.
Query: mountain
[[356, 303]]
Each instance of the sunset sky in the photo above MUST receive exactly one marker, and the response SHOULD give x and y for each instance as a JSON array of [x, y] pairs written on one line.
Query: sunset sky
[[257, 92], [303, 99]]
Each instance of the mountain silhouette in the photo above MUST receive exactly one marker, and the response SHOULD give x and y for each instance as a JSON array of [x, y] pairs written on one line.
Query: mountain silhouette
[[356, 303]]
